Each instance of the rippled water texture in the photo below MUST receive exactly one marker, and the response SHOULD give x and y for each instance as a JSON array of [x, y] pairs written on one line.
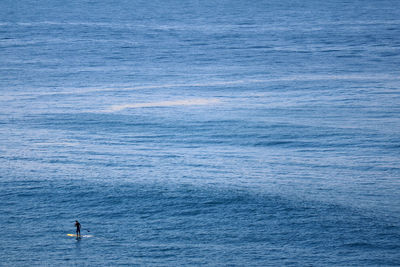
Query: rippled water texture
[[200, 133]]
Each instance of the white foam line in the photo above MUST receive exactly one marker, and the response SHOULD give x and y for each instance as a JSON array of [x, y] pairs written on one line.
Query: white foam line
[[185, 102]]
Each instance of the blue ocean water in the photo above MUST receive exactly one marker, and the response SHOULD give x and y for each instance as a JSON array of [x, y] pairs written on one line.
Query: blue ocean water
[[214, 133]]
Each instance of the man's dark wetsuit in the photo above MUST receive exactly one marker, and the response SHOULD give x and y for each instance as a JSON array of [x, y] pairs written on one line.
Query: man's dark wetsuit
[[78, 228]]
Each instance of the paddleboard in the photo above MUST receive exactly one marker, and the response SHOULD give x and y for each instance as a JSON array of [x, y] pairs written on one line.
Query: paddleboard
[[74, 235]]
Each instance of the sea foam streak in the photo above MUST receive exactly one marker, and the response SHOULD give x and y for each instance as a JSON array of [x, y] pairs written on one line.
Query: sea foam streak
[[184, 102]]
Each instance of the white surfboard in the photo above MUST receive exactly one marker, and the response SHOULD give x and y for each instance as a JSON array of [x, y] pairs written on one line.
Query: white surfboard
[[74, 235]]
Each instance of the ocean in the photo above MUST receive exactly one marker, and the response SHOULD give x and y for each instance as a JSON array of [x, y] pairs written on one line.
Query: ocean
[[200, 133]]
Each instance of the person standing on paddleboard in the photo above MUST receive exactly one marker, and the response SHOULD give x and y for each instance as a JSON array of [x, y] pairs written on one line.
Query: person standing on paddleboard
[[78, 228]]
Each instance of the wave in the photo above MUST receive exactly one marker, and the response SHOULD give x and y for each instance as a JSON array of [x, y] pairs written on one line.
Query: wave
[[204, 27], [185, 102], [293, 78]]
